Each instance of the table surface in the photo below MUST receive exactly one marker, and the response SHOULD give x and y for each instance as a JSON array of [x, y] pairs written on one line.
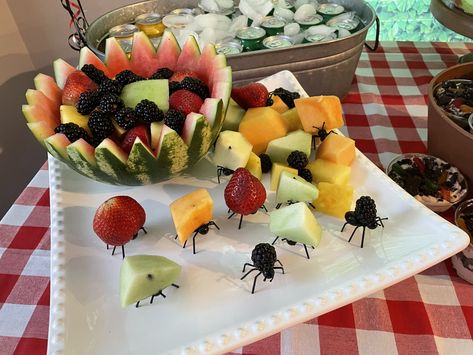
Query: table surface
[[386, 114]]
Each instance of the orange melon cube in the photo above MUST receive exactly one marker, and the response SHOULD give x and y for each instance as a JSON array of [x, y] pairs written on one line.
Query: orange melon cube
[[278, 104], [316, 110], [292, 120], [260, 125], [338, 149], [191, 211]]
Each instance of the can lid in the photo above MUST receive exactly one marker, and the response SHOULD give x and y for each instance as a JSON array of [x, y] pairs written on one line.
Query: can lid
[[285, 4], [229, 47], [151, 18], [125, 30], [278, 41], [251, 33], [345, 23], [330, 9], [318, 37], [177, 21], [311, 20], [273, 22]]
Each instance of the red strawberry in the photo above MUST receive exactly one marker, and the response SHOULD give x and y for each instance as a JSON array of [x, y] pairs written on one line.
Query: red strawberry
[[180, 75], [118, 220], [251, 95], [130, 136], [185, 101], [244, 194], [77, 82]]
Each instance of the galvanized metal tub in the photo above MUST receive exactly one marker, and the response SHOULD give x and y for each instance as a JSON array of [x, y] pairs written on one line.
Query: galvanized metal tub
[[323, 68]]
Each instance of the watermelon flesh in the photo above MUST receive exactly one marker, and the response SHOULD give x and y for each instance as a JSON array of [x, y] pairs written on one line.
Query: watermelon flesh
[[38, 113], [189, 57], [168, 51], [143, 59], [88, 57], [37, 98], [41, 130], [116, 59], [48, 87], [62, 70]]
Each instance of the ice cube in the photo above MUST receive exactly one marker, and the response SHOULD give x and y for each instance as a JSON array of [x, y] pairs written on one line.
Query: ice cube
[[343, 33], [320, 30], [225, 4], [286, 14], [304, 12], [299, 3], [255, 8], [345, 16], [238, 23], [213, 21], [209, 5], [292, 29], [298, 38], [211, 35]]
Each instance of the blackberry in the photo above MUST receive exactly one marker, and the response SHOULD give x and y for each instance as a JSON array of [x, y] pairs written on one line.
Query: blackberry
[[365, 211], [110, 103], [266, 162], [195, 85], [174, 86], [162, 73], [100, 124], [263, 257], [96, 75], [72, 131], [305, 174], [88, 101], [127, 77], [109, 86], [174, 119], [147, 111], [286, 96], [126, 118], [297, 159]]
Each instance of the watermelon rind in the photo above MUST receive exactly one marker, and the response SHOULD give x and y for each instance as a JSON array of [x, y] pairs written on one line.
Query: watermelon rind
[[41, 131], [142, 163], [62, 70], [172, 155], [197, 134], [81, 154], [57, 147]]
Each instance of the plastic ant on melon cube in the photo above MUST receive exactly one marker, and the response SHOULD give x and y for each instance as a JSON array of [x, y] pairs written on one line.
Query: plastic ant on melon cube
[[321, 134]]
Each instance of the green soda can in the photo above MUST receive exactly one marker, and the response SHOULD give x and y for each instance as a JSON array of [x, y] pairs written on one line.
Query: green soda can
[[330, 10], [251, 38], [278, 41], [350, 24], [229, 47], [310, 21], [273, 25], [319, 38]]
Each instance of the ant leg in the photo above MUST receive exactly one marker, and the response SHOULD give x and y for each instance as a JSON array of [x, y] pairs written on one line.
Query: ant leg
[[176, 286], [254, 283], [244, 266], [274, 241], [218, 175], [107, 246], [353, 233], [278, 268], [249, 272], [123, 251], [193, 242], [280, 263], [137, 304], [380, 220], [144, 230], [214, 224], [278, 205], [233, 213], [113, 251], [264, 208], [311, 205], [363, 236], [175, 237], [239, 224], [306, 251], [344, 226]]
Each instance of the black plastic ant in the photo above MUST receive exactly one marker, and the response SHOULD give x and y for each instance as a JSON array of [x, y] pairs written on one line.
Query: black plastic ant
[[241, 216], [159, 293], [321, 134], [221, 170], [264, 258], [292, 243], [290, 202], [203, 229], [123, 245], [351, 218]]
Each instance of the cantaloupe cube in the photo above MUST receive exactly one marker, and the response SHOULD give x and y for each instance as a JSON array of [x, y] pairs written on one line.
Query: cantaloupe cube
[[326, 171], [191, 211], [276, 170], [334, 200], [254, 166], [260, 125], [338, 149], [292, 119], [278, 104], [314, 111]]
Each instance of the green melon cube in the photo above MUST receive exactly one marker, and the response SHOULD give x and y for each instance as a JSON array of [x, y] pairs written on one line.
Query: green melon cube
[[233, 116], [297, 223], [280, 148], [276, 170], [232, 150], [293, 188], [142, 276], [155, 90]]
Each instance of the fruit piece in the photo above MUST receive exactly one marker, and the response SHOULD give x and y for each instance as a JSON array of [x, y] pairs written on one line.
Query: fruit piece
[[326, 171], [279, 105], [70, 114], [77, 82], [140, 131], [88, 101], [87, 57], [126, 77], [276, 171], [48, 87], [297, 160], [39, 114], [280, 148], [125, 118], [296, 223], [185, 101], [179, 76], [189, 56], [82, 155], [292, 120], [156, 91], [260, 126], [116, 59], [147, 111], [197, 134], [100, 125], [112, 160], [314, 111], [174, 119], [62, 70], [191, 211], [212, 108], [172, 152], [142, 276], [96, 75], [72, 131], [196, 86], [221, 85], [334, 200], [305, 174], [232, 150], [56, 145], [155, 132], [254, 166], [233, 117], [143, 59], [244, 194], [40, 130], [266, 163], [250, 95], [338, 149], [168, 51], [293, 188], [36, 97]]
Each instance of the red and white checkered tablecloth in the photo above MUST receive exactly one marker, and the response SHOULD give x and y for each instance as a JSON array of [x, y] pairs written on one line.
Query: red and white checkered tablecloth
[[386, 113]]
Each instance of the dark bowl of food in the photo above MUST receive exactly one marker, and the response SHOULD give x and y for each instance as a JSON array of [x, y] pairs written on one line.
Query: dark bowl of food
[[432, 181], [463, 261], [450, 121]]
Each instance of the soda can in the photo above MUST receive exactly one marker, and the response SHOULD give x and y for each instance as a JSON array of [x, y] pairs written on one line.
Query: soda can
[[177, 21], [278, 41], [310, 21], [351, 24], [124, 35], [330, 10], [319, 38], [251, 38], [273, 25], [229, 47], [151, 24]]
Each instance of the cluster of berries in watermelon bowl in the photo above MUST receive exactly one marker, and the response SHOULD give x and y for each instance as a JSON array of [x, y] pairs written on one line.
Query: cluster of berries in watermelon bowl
[[132, 120]]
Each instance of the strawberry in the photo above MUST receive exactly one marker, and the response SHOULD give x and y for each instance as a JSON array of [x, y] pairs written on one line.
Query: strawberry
[[244, 194], [77, 83], [118, 220], [185, 101], [251, 95], [180, 75], [140, 131]]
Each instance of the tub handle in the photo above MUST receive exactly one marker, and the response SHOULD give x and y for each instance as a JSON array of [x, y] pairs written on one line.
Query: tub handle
[[76, 12], [376, 41]]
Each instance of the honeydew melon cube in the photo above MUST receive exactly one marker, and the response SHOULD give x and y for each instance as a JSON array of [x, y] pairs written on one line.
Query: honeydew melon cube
[[297, 223], [293, 188], [280, 148], [292, 119], [155, 129], [155, 90], [334, 200], [254, 166], [191, 211], [233, 116], [326, 171], [142, 276], [276, 171], [232, 150]]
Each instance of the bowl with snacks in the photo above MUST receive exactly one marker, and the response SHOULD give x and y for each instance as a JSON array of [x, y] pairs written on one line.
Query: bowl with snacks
[[463, 261]]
